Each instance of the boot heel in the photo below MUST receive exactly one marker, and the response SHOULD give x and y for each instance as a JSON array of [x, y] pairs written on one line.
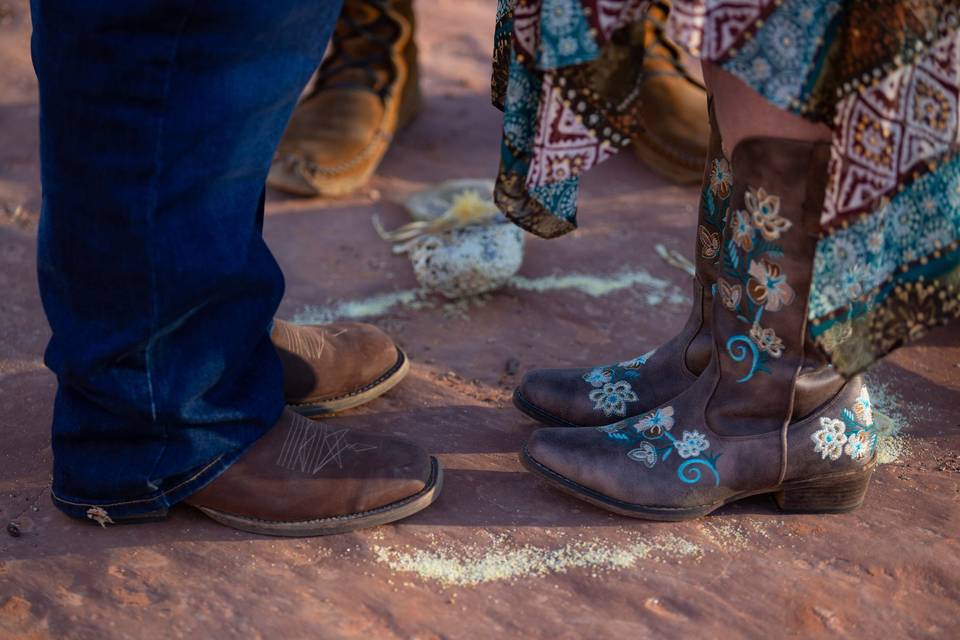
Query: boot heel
[[831, 494]]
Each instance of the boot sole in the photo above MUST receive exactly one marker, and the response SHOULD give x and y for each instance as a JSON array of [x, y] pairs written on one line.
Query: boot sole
[[538, 414], [391, 378], [832, 493], [337, 524]]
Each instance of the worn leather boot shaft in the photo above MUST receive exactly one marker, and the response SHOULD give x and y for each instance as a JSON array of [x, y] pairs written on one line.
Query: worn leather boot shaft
[[674, 137], [817, 383], [768, 250], [717, 184], [593, 396], [365, 89], [330, 365], [304, 470], [363, 43]]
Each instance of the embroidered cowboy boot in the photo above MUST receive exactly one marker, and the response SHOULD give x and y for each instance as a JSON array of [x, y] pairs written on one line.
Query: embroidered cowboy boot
[[675, 134], [767, 415], [365, 90], [334, 367], [599, 395], [306, 478]]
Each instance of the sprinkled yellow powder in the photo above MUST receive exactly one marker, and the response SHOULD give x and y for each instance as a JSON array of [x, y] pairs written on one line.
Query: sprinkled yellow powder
[[500, 560]]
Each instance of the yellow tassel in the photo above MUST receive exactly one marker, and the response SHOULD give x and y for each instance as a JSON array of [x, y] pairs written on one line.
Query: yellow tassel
[[467, 208]]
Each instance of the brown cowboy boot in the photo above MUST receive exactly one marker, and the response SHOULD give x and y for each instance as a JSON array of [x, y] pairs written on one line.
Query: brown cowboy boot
[[675, 134], [306, 478], [365, 90], [334, 367], [767, 415], [595, 396]]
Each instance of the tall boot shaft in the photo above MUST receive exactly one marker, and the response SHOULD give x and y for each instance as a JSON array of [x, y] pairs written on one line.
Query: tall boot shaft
[[594, 396], [767, 256], [713, 214]]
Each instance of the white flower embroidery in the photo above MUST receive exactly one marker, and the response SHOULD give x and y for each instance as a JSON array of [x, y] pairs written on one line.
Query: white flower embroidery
[[859, 446], [639, 361], [662, 417], [830, 439], [863, 408], [766, 340], [691, 444], [598, 376], [645, 453], [612, 399]]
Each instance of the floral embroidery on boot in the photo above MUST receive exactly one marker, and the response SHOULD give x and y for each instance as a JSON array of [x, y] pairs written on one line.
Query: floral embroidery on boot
[[767, 285], [613, 397], [729, 294], [854, 433], [637, 362], [721, 178], [691, 444], [598, 376], [661, 418], [742, 230], [651, 442], [829, 440], [749, 261], [764, 211], [645, 454], [709, 243], [766, 340], [611, 390]]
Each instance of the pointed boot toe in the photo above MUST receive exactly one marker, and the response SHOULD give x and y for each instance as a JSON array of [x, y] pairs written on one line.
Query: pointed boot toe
[[577, 462], [550, 396]]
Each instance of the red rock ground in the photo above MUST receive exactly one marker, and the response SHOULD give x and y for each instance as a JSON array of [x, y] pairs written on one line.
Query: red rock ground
[[499, 555]]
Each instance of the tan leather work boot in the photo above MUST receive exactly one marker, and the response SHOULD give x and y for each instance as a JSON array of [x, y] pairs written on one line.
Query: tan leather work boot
[[767, 415], [675, 133], [365, 91], [338, 366], [594, 396], [306, 478]]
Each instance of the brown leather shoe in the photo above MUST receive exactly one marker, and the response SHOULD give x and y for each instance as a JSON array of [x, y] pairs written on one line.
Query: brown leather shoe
[[768, 415], [306, 478], [675, 134], [366, 89], [334, 367], [594, 396]]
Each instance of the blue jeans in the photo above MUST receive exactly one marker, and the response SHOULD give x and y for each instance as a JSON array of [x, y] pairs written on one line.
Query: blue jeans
[[159, 119]]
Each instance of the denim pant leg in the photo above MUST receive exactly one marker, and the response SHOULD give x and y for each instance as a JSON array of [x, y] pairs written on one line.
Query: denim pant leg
[[159, 119]]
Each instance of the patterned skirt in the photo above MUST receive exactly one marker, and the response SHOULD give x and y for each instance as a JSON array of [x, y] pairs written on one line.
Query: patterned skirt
[[883, 74]]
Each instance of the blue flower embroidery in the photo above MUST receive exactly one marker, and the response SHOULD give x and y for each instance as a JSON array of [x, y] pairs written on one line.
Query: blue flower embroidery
[[598, 376]]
